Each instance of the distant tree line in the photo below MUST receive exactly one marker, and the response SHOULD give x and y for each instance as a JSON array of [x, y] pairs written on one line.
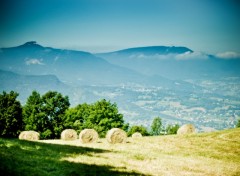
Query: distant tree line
[[50, 114]]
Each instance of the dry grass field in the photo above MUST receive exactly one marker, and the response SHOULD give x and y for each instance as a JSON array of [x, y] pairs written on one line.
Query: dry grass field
[[216, 153]]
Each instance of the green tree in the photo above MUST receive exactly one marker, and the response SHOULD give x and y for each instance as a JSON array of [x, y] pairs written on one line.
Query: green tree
[[104, 116], [54, 107], [238, 124], [141, 129], [10, 115], [33, 116], [156, 127], [101, 116], [172, 129], [46, 114], [75, 117]]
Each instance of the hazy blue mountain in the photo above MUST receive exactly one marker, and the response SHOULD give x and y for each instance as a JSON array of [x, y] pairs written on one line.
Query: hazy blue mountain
[[25, 84], [69, 66], [77, 67], [173, 62]]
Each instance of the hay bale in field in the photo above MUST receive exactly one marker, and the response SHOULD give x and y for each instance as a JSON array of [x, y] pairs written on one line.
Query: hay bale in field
[[186, 129], [29, 135], [69, 135], [88, 136], [116, 135], [136, 135]]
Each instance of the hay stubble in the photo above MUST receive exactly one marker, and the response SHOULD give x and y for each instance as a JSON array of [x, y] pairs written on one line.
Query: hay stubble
[[196, 154]]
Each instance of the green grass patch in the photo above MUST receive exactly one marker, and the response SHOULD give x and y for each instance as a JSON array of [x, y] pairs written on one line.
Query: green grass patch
[[213, 154], [33, 158]]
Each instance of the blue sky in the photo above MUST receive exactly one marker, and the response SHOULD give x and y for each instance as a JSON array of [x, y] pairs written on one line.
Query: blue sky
[[211, 26]]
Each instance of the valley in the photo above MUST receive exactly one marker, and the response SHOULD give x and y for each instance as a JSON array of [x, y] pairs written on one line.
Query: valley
[[174, 83], [206, 109]]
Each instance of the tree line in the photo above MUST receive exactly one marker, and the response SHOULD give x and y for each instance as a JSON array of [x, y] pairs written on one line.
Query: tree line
[[50, 114]]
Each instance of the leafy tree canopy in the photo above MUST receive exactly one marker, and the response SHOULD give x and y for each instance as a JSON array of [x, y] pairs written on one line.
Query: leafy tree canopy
[[101, 116], [45, 114], [10, 115], [75, 118]]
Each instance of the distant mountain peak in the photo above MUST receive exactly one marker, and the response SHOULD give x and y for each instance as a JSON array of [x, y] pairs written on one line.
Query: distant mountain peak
[[31, 44]]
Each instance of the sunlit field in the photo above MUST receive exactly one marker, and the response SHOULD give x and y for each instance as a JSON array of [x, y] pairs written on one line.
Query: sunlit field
[[215, 153]]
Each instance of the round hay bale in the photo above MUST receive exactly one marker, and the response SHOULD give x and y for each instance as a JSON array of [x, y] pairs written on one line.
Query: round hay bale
[[88, 136], [69, 135], [116, 135], [136, 135], [186, 129], [22, 135], [29, 135]]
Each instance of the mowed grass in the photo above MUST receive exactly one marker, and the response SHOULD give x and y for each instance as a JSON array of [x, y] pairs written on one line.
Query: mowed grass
[[216, 153]]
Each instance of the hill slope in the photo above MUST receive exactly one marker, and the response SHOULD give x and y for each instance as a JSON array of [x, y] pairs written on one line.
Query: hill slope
[[25, 84], [199, 154]]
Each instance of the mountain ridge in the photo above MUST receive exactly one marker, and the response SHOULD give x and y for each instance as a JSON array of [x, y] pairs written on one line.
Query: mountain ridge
[[68, 65], [71, 67], [25, 84], [151, 50], [173, 62]]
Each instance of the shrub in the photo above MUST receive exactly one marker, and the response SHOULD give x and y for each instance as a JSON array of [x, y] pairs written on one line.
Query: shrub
[[139, 129]]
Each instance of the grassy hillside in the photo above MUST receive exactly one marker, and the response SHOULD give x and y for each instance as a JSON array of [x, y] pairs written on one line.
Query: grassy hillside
[[216, 153]]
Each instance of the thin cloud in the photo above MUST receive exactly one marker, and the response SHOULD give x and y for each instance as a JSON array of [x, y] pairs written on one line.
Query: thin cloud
[[34, 62], [185, 56], [191, 55], [228, 55], [154, 56]]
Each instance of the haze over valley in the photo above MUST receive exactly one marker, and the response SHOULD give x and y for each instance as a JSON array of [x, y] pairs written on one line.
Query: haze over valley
[[175, 83]]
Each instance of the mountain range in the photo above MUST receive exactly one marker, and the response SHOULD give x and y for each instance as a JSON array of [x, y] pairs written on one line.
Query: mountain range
[[173, 62], [176, 83], [154, 65], [71, 67]]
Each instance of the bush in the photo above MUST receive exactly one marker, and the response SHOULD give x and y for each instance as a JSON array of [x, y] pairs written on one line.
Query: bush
[[140, 129], [238, 124], [172, 129]]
